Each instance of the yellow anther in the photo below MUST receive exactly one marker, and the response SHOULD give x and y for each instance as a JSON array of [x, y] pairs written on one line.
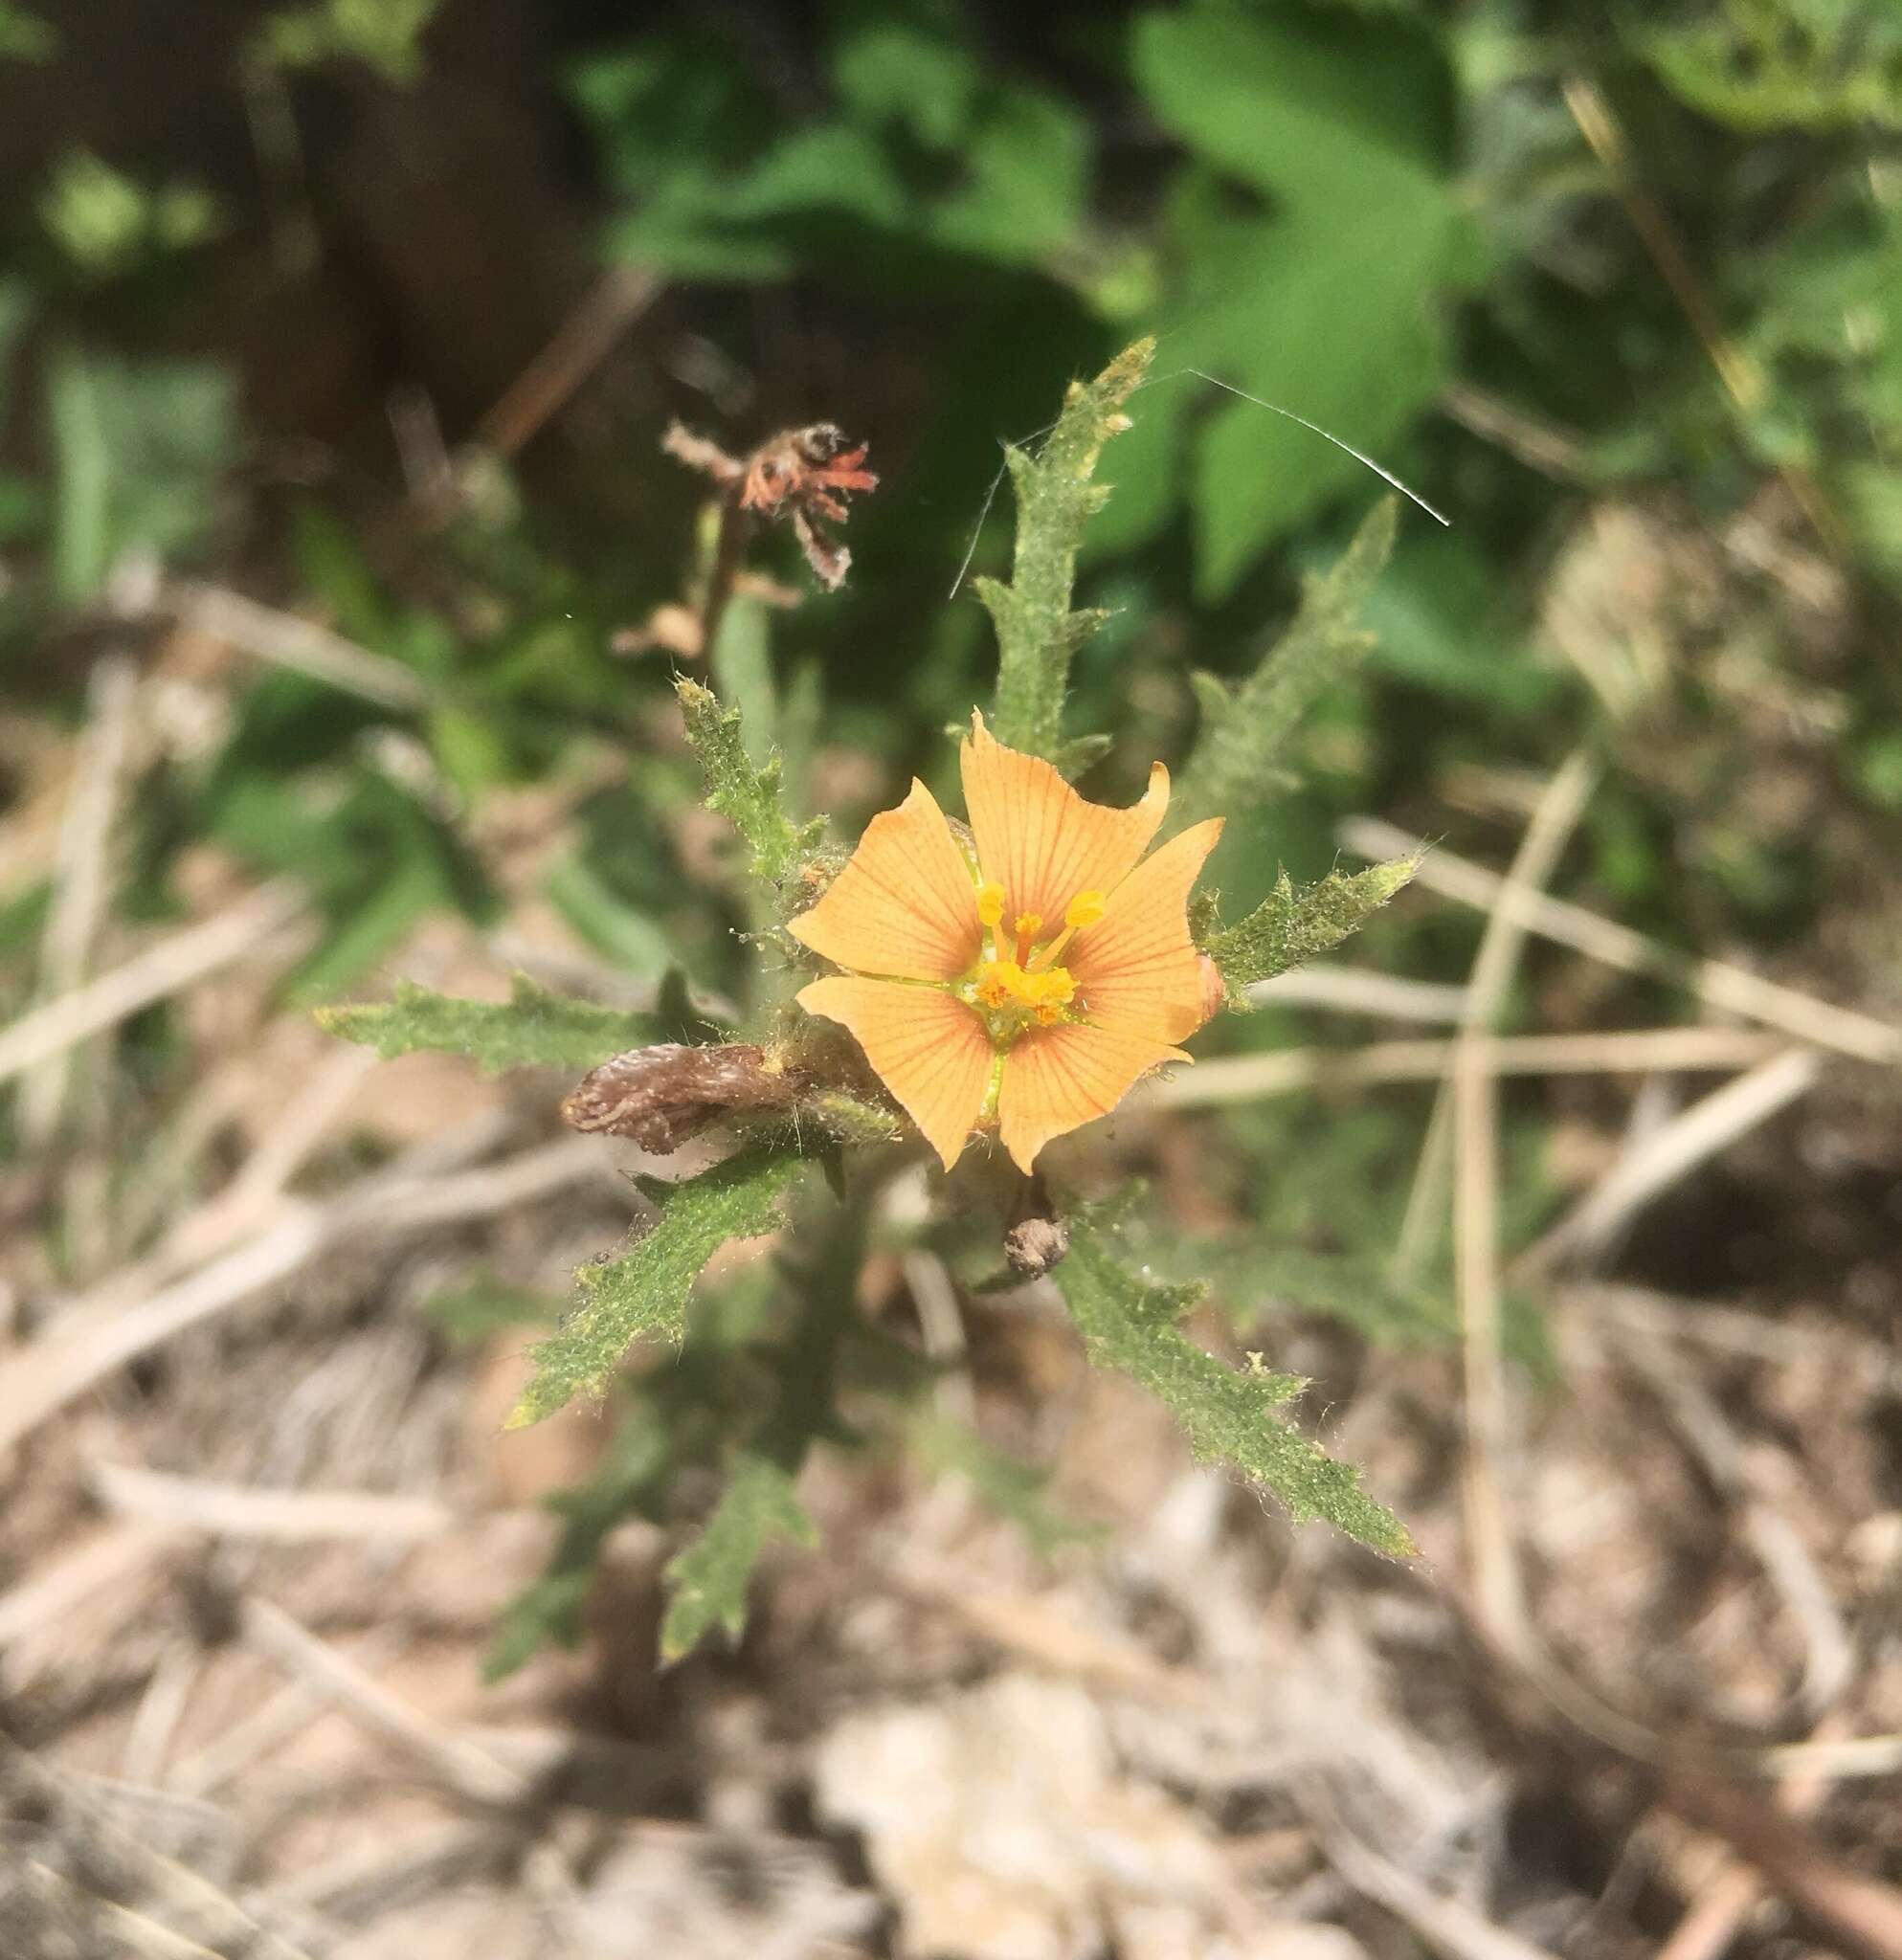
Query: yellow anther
[[990, 904], [1026, 925], [1085, 909], [1004, 984]]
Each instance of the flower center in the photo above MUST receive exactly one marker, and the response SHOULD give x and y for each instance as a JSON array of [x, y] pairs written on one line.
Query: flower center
[[1020, 985]]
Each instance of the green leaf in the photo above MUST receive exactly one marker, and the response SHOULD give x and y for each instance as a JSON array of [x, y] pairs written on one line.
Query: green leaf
[[1038, 635], [482, 1306], [1290, 925], [1026, 160], [894, 71], [383, 35], [1323, 205], [706, 1580], [1237, 762], [749, 797], [533, 1028], [1128, 1322], [1763, 65], [23, 37], [630, 1480], [137, 449], [645, 1290]]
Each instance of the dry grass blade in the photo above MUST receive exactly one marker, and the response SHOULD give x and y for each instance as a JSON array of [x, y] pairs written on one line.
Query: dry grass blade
[[1727, 1897], [1554, 818], [580, 344], [1733, 989], [1637, 1051], [301, 645], [285, 1517], [1443, 1924], [81, 877], [456, 1765], [1779, 1547], [111, 1558], [359, 1883], [1863, 1912], [1358, 990], [268, 1727], [161, 970], [49, 1915], [1497, 1585], [86, 1348], [1027, 1626], [1657, 1163], [118, 1871]]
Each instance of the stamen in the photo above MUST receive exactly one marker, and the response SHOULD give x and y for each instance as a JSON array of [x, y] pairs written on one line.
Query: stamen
[[1085, 909], [1004, 989], [990, 904]]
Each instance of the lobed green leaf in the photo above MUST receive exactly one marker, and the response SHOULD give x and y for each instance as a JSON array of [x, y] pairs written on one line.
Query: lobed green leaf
[[750, 797], [645, 1291], [708, 1580], [1293, 925], [1236, 762], [1038, 635], [1128, 1322], [533, 1028]]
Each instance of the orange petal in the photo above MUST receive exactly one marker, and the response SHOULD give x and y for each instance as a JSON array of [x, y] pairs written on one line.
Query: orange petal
[[928, 1049], [1056, 1079], [904, 905], [1137, 967], [1038, 839]]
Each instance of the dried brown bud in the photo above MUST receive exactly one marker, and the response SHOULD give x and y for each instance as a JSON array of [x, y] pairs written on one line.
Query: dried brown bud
[[1035, 1244], [662, 1096]]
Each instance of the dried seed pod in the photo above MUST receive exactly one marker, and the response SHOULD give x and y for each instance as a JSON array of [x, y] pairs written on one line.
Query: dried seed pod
[[1035, 1244], [662, 1096]]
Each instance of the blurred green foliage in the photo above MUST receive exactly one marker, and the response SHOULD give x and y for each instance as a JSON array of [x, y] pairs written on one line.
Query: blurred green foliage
[[921, 218]]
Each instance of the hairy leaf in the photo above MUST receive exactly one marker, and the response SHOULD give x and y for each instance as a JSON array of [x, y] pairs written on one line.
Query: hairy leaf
[[706, 1580], [1038, 635], [1290, 925], [750, 797], [1128, 1322], [1237, 762], [645, 1290], [532, 1028]]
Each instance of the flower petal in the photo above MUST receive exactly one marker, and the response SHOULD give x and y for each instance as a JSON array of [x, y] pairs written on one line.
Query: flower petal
[[927, 1048], [904, 905], [1056, 1079], [1038, 839], [1138, 968]]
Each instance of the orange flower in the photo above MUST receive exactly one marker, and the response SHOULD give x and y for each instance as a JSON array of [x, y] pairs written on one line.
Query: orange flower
[[1027, 978]]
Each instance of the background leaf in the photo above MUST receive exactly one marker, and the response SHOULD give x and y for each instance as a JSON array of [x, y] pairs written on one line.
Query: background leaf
[[708, 1580], [1237, 762]]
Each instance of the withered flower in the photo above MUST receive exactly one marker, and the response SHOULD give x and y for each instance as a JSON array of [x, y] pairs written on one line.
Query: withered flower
[[660, 1096]]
